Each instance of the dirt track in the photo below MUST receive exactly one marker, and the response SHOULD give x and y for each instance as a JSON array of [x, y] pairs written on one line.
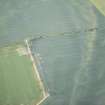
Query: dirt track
[[45, 94]]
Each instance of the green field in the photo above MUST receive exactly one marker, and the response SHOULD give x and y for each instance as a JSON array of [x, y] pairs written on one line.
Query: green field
[[18, 84], [100, 5]]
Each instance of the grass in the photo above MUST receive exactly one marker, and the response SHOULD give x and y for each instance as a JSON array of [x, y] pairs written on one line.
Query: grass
[[100, 5], [18, 86]]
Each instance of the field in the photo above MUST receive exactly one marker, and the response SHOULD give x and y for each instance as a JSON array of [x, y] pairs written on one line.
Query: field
[[100, 5], [18, 82]]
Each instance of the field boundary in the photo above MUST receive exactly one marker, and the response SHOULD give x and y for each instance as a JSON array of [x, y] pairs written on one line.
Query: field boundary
[[45, 94]]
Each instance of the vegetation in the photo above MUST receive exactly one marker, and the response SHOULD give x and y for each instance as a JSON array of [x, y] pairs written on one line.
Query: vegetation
[[100, 5], [18, 85]]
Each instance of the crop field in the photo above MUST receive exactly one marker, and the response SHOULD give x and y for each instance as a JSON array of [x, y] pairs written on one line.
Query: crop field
[[100, 5], [18, 82], [68, 44]]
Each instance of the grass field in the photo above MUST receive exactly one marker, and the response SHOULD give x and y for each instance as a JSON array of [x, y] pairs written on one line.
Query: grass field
[[18, 85], [100, 5]]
